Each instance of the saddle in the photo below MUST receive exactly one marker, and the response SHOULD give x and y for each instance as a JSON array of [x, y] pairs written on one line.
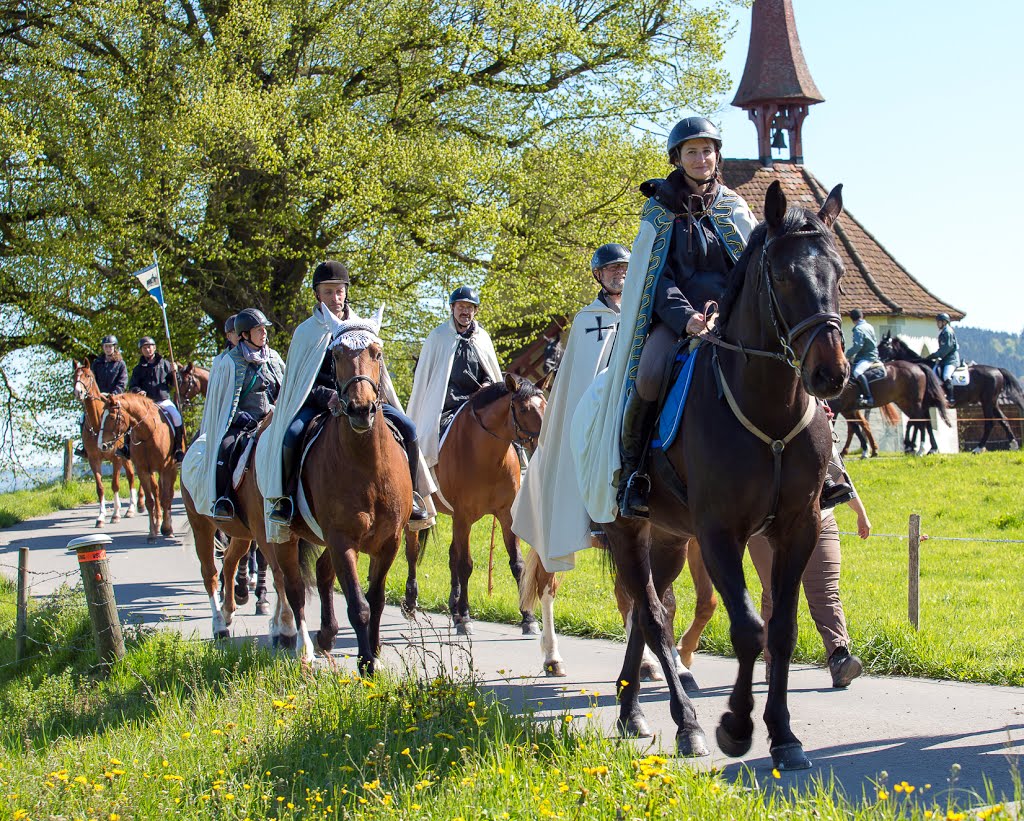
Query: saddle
[[166, 416], [872, 374]]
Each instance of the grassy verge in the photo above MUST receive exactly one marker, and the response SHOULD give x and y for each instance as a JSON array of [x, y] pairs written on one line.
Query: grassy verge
[[971, 625], [20, 505], [185, 729]]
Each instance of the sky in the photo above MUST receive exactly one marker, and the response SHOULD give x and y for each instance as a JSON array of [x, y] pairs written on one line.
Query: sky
[[923, 124]]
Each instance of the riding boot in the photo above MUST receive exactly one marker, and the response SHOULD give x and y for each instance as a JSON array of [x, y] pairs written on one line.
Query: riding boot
[[223, 508], [948, 385], [835, 493], [123, 450], [284, 507], [634, 484], [412, 453], [866, 399], [179, 439]]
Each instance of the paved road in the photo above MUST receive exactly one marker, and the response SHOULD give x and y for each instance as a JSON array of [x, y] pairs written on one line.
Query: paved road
[[914, 729]]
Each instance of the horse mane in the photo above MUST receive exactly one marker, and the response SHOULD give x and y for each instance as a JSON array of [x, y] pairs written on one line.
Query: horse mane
[[496, 390], [905, 351], [796, 219], [133, 401]]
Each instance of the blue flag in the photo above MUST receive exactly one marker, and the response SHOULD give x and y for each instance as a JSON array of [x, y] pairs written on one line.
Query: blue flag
[[150, 279]]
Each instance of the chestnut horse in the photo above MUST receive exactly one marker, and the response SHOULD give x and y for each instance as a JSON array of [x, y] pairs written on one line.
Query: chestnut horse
[[88, 393], [194, 381], [750, 457], [355, 478], [135, 418], [857, 425], [478, 473]]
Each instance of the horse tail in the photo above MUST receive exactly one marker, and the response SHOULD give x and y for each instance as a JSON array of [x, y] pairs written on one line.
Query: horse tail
[[1013, 391], [535, 580], [935, 395], [309, 554], [890, 415], [423, 538]]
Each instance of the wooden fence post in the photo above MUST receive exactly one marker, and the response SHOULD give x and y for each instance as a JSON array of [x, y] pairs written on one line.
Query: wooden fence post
[[69, 460], [21, 620], [914, 571], [99, 596]]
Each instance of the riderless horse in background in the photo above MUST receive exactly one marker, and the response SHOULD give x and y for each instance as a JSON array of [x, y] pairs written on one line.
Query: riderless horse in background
[[478, 473], [987, 387], [135, 419], [88, 393], [751, 456], [195, 381]]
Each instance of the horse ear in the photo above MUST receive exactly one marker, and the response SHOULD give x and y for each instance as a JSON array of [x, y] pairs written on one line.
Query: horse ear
[[833, 206], [774, 205], [188, 368], [511, 382]]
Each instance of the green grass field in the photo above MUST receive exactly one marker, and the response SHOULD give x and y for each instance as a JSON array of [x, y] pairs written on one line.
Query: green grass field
[[190, 729], [972, 616]]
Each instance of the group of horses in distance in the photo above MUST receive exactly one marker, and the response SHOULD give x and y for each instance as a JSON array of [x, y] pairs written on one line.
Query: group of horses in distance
[[755, 465]]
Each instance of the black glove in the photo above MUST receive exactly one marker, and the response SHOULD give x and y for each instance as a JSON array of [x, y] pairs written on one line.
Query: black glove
[[244, 421]]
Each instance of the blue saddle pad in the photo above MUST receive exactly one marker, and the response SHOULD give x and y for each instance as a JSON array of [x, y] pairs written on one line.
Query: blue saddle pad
[[672, 411]]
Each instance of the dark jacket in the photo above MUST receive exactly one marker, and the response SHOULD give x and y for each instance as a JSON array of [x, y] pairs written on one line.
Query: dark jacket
[[467, 374], [698, 265], [324, 385], [155, 379], [111, 374]]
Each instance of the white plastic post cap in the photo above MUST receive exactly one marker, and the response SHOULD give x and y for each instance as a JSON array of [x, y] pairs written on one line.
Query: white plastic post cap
[[82, 542]]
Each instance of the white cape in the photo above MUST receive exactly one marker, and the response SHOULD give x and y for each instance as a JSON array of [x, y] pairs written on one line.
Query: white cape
[[305, 354], [597, 424], [549, 513], [430, 382]]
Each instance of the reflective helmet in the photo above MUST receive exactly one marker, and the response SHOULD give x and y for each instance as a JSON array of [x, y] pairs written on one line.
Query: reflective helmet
[[693, 128], [330, 271], [229, 324], [464, 294], [248, 319], [856, 315], [943, 316], [109, 339], [608, 254], [146, 340]]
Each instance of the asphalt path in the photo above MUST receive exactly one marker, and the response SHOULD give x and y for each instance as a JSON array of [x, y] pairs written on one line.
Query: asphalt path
[[911, 729]]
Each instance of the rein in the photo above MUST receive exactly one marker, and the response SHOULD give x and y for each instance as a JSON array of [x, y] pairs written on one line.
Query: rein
[[345, 406], [128, 431], [522, 436]]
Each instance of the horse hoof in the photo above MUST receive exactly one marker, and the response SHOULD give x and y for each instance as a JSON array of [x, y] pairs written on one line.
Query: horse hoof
[[976, 451], [286, 642], [262, 607], [166, 532], [115, 520], [324, 642], [732, 747], [692, 744], [408, 610], [1014, 445], [464, 628], [531, 628], [650, 672], [790, 757], [100, 523], [151, 540], [222, 634], [241, 594], [689, 682], [554, 669], [635, 726], [275, 641]]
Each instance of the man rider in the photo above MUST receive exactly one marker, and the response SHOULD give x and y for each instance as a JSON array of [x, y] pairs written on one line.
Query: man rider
[[863, 355], [947, 358], [154, 376]]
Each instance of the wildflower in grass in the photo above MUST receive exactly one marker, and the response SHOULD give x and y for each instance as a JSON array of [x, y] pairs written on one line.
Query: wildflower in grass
[[568, 719], [216, 732], [883, 795], [115, 762], [405, 751], [20, 814], [776, 773]]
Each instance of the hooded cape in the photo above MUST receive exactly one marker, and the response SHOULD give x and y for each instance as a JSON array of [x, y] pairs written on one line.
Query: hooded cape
[[549, 513], [597, 423], [430, 382], [199, 468]]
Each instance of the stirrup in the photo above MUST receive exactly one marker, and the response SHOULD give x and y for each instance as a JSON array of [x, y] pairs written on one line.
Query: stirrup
[[635, 508], [223, 509], [282, 511], [419, 509]]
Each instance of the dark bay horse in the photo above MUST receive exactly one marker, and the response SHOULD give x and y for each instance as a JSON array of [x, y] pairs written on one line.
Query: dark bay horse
[[478, 473], [136, 419], [988, 385], [88, 393], [914, 390], [194, 381], [724, 479]]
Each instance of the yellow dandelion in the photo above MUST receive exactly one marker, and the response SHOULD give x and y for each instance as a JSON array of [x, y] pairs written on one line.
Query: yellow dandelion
[[405, 751], [776, 773]]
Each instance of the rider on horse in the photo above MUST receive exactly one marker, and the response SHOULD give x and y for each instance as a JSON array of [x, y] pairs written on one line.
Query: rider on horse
[[230, 332], [111, 376], [457, 360], [947, 358], [863, 355], [249, 377], [309, 391], [548, 512], [154, 376], [711, 226]]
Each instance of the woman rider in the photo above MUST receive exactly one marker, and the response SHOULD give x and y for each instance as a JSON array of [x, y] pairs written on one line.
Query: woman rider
[[330, 285], [256, 372], [111, 376]]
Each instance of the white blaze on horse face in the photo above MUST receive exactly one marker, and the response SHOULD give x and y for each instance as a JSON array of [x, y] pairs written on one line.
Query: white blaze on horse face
[[80, 393]]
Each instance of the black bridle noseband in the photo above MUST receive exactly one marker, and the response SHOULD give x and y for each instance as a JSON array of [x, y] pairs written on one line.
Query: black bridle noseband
[[345, 405], [523, 436]]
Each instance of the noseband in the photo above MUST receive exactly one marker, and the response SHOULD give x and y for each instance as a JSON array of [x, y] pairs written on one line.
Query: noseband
[[345, 406], [523, 436]]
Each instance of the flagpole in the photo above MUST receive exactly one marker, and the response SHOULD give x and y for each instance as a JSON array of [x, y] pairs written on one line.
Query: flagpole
[[170, 347]]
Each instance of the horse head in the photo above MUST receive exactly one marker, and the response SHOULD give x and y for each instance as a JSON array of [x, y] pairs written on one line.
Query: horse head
[[526, 410], [190, 387], [114, 424], [800, 271], [358, 355], [85, 380], [887, 347]]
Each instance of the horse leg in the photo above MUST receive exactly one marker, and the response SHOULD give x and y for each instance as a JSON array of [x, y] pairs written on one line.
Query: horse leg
[[631, 553], [649, 668], [986, 432], [152, 505], [345, 557], [539, 584], [790, 554], [325, 577], [166, 500], [998, 414], [667, 560], [528, 621], [931, 437], [412, 588], [133, 492], [851, 429], [704, 608], [295, 592], [631, 722], [871, 440], [97, 476], [237, 548], [380, 564], [724, 561], [460, 563], [115, 485], [202, 533]]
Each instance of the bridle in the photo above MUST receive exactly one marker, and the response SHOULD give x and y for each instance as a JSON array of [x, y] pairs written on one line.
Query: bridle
[[523, 436], [188, 384], [128, 431], [345, 405], [89, 397]]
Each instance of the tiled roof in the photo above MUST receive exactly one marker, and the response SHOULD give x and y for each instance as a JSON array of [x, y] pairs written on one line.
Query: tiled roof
[[776, 70], [874, 281]]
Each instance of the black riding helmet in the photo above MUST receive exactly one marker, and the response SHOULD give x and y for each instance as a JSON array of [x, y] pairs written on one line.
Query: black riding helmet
[[109, 339], [464, 293], [943, 317], [146, 340], [693, 128], [608, 254], [229, 324], [330, 271], [248, 319]]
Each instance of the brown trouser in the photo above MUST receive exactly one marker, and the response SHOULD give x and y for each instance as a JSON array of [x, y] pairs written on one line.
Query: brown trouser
[[654, 361], [821, 584]]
